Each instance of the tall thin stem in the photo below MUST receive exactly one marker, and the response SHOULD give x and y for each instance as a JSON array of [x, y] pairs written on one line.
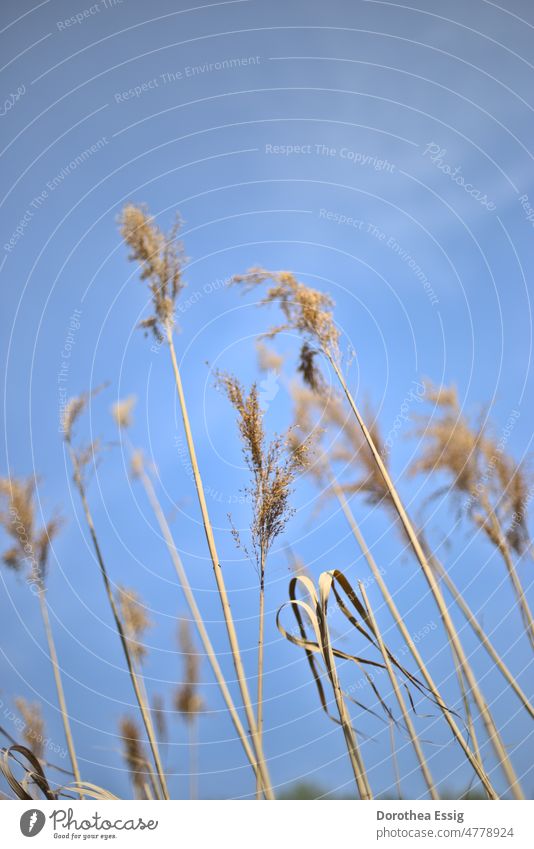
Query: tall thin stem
[[399, 621], [400, 699], [261, 630], [143, 707], [504, 549], [219, 578], [454, 640], [196, 614], [479, 631], [59, 684], [355, 757]]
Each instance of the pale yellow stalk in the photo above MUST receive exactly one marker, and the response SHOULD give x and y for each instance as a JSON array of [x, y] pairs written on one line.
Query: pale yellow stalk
[[143, 707], [472, 758], [504, 549], [59, 685], [219, 578], [400, 699], [195, 612], [454, 640], [479, 631]]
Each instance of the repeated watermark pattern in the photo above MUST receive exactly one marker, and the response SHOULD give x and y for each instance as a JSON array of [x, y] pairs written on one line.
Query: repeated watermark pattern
[[436, 155]]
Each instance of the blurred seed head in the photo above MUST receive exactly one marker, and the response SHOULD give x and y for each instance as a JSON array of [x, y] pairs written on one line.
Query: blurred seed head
[[34, 727], [133, 753], [187, 699], [478, 468], [268, 359], [122, 411], [136, 621]]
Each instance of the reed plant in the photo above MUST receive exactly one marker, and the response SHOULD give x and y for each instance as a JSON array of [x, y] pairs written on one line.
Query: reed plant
[[188, 701], [338, 443], [372, 486], [309, 312], [82, 459], [122, 413], [161, 259], [30, 547], [273, 467]]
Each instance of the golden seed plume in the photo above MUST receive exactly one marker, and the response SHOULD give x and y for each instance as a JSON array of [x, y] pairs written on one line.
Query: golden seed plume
[[477, 465], [305, 309], [17, 517], [161, 259], [273, 467], [137, 464]]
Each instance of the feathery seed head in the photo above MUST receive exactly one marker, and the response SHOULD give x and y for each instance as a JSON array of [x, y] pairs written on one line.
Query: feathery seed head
[[17, 517], [133, 753], [305, 309], [122, 411], [478, 467], [161, 259], [273, 467]]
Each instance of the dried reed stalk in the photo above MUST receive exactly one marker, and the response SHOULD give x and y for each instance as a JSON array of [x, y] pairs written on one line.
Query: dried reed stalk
[[273, 466], [138, 764], [34, 546], [161, 261], [372, 485], [188, 701], [480, 633], [219, 578], [494, 486], [80, 458], [138, 470], [317, 614], [477, 765], [400, 699], [309, 312]]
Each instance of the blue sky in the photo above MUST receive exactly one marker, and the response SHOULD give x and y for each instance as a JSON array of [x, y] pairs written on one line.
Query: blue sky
[[266, 126]]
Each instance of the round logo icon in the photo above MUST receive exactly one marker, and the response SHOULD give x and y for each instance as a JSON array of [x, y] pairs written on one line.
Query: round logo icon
[[32, 822]]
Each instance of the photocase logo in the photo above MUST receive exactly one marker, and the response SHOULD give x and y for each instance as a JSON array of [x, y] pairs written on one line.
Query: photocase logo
[[269, 388], [32, 822]]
